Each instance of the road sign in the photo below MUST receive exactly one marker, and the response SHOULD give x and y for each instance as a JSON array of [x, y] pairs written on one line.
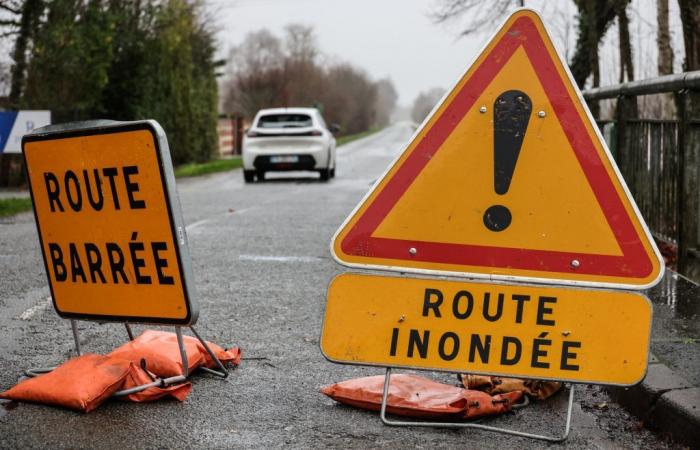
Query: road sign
[[566, 334], [109, 222], [15, 124], [508, 178]]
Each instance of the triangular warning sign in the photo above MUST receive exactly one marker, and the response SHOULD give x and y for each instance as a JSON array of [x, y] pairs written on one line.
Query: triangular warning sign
[[507, 179]]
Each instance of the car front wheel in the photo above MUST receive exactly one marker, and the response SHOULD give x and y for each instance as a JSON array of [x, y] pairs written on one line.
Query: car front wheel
[[248, 176], [325, 174]]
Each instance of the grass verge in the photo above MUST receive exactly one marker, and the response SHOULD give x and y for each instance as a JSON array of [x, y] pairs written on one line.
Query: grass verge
[[353, 137], [216, 165], [12, 206]]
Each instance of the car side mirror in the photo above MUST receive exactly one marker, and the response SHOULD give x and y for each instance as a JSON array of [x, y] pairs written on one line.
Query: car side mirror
[[334, 128]]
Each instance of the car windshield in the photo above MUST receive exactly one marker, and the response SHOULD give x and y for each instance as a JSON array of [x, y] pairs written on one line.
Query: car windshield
[[284, 121]]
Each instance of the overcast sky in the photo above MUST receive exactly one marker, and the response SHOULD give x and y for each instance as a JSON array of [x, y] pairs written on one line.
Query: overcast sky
[[397, 38]]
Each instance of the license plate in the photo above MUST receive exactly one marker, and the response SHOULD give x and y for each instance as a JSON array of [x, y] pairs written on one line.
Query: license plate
[[284, 159]]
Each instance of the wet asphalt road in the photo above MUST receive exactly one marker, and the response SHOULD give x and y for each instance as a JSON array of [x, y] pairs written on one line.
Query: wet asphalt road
[[261, 262]]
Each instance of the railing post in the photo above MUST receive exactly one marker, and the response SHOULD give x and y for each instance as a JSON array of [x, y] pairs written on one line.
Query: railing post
[[620, 109], [688, 174]]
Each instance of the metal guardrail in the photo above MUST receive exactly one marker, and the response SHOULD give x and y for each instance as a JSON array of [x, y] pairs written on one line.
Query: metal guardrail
[[664, 84]]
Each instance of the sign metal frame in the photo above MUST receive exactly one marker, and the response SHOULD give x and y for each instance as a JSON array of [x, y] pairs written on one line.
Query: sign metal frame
[[454, 425], [179, 238], [511, 278], [543, 437], [167, 177]]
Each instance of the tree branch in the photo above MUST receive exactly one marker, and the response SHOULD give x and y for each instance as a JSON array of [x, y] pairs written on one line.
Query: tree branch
[[10, 7]]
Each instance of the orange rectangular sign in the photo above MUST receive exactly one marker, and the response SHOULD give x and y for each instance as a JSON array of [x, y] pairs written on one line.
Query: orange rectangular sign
[[109, 223], [567, 334]]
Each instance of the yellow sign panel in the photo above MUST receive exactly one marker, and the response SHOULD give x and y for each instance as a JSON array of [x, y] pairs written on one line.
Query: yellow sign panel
[[566, 334], [107, 215], [507, 179]]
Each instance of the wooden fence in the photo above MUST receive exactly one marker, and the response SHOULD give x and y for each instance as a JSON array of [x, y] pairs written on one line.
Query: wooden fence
[[659, 158]]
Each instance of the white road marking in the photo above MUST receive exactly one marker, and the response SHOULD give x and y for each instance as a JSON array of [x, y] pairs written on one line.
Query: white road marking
[[229, 213], [279, 258], [196, 224], [31, 312]]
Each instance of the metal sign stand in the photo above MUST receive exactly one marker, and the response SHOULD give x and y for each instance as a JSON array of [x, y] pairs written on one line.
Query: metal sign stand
[[157, 382], [398, 423]]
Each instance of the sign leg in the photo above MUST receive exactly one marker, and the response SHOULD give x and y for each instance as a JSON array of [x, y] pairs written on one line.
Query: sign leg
[[222, 372], [397, 423], [76, 337], [183, 352], [129, 331]]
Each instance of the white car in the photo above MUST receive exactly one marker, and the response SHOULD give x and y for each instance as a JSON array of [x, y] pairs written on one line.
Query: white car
[[288, 139]]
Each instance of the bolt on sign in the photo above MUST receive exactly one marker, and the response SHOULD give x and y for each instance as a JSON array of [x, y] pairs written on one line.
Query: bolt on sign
[[109, 222], [525, 331], [508, 178]]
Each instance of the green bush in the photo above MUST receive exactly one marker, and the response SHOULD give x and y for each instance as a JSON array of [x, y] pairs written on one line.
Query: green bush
[[127, 60]]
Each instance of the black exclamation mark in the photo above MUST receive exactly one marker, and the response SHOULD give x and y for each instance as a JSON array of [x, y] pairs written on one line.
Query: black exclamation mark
[[511, 113]]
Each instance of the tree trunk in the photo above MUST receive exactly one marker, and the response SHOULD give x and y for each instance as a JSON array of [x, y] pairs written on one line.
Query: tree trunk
[[663, 38], [31, 12], [623, 25], [594, 18], [593, 63], [665, 61], [690, 17]]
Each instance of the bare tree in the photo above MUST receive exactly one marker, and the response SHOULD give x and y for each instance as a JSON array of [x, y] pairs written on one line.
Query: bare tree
[[623, 27], [666, 106], [259, 51], [561, 24], [424, 103], [663, 38], [256, 75], [349, 98], [593, 20], [385, 102], [302, 74], [267, 72], [300, 43], [690, 17], [481, 15]]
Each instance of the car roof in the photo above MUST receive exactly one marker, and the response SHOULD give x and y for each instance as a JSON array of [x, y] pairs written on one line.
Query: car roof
[[288, 111]]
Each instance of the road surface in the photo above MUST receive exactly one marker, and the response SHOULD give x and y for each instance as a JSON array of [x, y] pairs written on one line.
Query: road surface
[[262, 263]]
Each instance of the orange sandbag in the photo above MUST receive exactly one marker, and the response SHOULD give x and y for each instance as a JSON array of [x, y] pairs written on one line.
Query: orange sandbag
[[81, 383], [138, 376], [414, 396], [161, 352]]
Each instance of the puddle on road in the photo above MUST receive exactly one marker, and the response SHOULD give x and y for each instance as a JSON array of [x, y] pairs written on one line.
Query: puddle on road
[[682, 297]]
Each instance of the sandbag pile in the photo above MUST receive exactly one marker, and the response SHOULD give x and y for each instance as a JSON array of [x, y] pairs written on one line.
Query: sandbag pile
[[414, 396], [84, 382], [537, 389]]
